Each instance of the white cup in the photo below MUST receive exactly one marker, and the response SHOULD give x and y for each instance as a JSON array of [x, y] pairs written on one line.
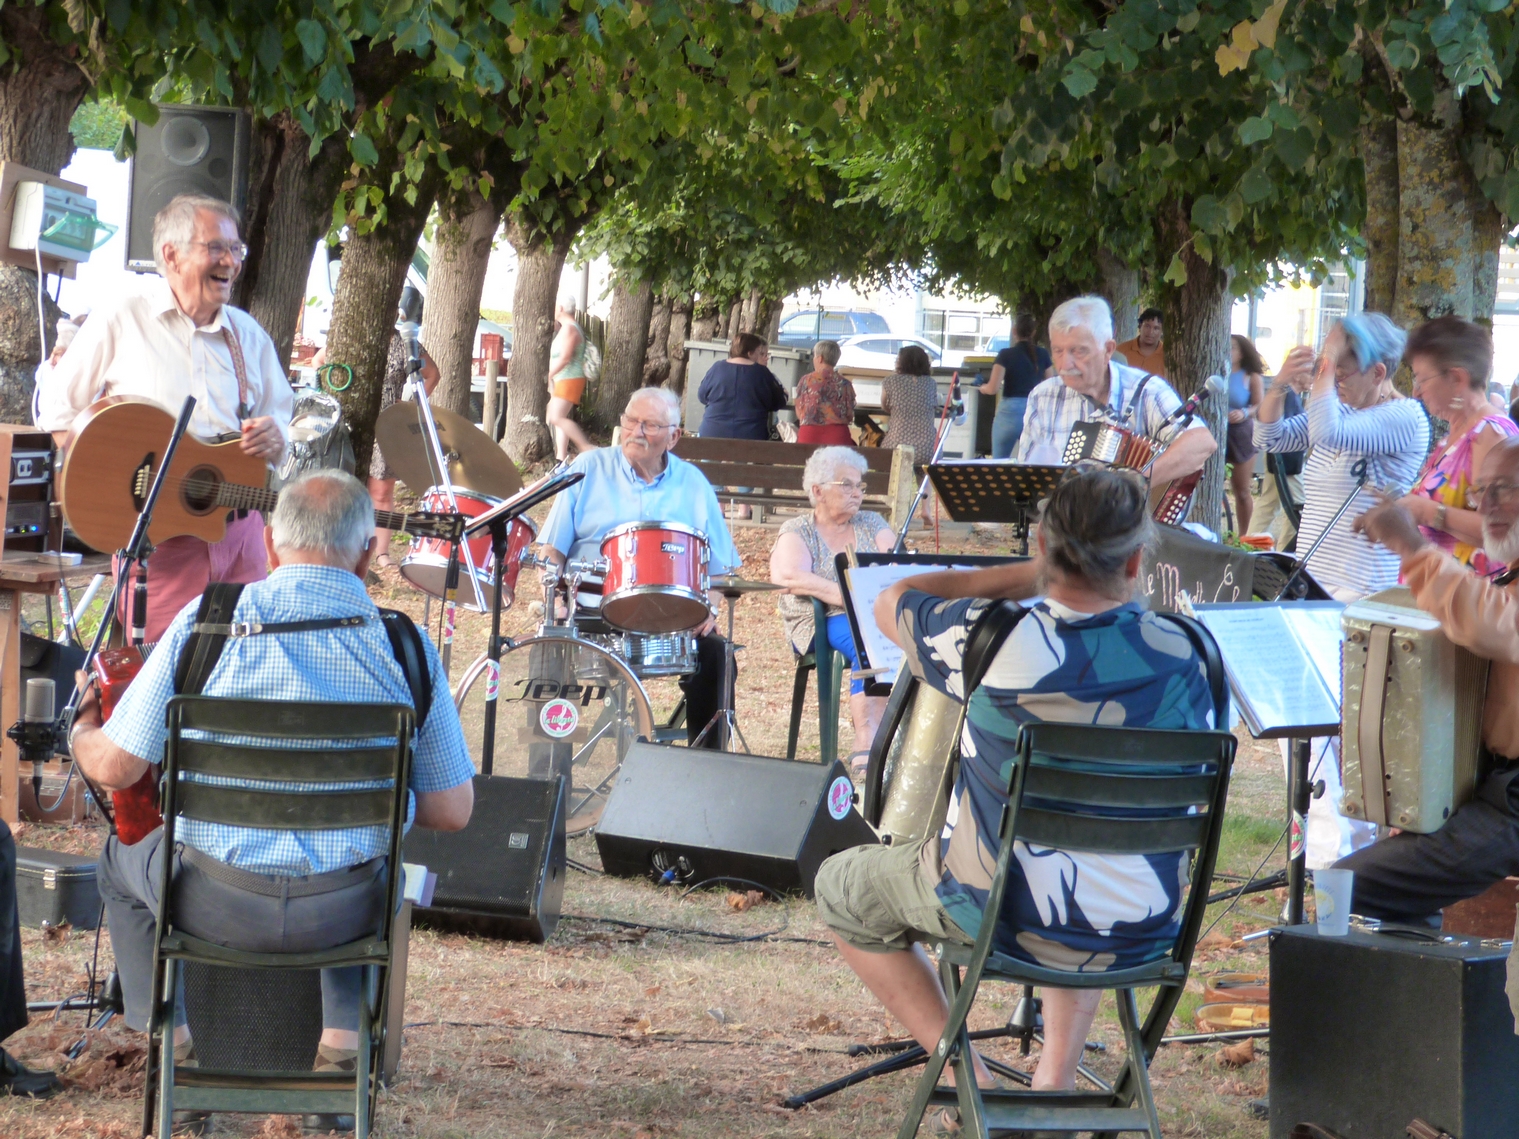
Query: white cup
[[1331, 899]]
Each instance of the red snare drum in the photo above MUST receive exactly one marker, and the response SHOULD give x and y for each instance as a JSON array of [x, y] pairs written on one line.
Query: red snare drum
[[426, 563], [656, 579]]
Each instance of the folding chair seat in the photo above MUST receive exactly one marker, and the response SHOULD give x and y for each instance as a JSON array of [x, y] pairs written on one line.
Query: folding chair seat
[[829, 666], [365, 744], [1107, 790]]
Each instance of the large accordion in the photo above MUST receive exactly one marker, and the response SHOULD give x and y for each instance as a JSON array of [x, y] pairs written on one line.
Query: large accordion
[[1119, 447], [1412, 715]]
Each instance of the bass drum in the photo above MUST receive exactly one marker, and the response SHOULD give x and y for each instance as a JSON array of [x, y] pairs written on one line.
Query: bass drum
[[909, 762], [564, 706]]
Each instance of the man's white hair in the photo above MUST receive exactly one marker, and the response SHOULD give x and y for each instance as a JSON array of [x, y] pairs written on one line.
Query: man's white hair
[[175, 223], [327, 512], [824, 463], [1506, 549], [668, 399], [1088, 312]]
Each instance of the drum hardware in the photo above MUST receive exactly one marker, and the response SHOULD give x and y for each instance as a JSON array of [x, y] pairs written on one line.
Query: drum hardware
[[732, 588], [900, 546], [1358, 471], [470, 459]]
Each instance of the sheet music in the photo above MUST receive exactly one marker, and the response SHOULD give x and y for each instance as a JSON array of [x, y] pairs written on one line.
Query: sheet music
[[863, 584], [1283, 661]]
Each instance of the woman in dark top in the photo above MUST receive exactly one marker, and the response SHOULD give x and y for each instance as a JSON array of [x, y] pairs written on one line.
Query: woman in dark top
[[1018, 371], [739, 393]]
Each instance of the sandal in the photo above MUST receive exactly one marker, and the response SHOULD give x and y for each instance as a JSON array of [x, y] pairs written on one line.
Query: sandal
[[859, 764], [384, 561]]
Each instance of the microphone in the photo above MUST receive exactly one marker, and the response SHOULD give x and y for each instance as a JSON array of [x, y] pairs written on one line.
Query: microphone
[[34, 734], [410, 330], [1215, 386]]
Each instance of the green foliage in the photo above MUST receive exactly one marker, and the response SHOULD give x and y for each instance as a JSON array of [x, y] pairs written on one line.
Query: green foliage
[[98, 126]]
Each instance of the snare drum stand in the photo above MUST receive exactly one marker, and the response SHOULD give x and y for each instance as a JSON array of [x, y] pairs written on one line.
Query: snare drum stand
[[725, 720]]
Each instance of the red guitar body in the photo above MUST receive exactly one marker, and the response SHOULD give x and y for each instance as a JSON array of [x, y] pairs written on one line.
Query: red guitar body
[[136, 808]]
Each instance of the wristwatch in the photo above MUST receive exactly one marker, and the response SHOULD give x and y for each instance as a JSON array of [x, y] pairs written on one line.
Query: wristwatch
[[1441, 510]]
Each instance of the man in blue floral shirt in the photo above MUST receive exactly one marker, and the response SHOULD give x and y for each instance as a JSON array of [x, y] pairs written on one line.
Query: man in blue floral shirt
[[1087, 652]]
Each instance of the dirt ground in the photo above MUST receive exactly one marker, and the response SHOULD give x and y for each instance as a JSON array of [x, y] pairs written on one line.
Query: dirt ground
[[638, 1031]]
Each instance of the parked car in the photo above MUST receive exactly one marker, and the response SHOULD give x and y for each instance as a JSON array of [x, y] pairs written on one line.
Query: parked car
[[881, 352], [804, 329]]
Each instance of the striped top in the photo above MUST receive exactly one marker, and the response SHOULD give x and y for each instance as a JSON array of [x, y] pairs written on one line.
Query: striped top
[[1393, 438]]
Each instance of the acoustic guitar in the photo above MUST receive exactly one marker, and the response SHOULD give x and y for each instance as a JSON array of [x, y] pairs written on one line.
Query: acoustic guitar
[[113, 452]]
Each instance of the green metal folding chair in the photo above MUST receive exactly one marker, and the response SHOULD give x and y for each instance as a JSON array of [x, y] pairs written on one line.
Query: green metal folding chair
[[369, 743], [1067, 782], [829, 666]]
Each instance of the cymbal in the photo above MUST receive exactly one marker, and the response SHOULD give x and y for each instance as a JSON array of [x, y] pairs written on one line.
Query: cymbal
[[732, 583], [475, 462]]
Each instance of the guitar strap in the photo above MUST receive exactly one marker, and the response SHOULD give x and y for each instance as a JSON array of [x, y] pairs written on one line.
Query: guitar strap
[[239, 366], [214, 624]]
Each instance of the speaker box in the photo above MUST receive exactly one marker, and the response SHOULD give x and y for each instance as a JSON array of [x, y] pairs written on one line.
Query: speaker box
[[1373, 1030], [503, 874], [190, 150], [711, 814]]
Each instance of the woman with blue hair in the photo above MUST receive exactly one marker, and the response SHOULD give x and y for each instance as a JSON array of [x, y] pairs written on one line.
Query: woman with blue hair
[[1354, 413]]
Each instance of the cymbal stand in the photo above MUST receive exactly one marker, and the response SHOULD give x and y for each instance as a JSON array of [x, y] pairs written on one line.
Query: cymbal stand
[[437, 462], [724, 721], [900, 546]]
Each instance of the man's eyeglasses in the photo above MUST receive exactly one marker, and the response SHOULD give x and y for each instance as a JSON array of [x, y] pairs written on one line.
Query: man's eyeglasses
[[1502, 492], [643, 426], [219, 249]]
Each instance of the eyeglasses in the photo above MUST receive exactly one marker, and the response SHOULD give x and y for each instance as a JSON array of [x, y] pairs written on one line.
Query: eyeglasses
[[219, 249], [1502, 492], [643, 426], [1420, 381], [847, 486]]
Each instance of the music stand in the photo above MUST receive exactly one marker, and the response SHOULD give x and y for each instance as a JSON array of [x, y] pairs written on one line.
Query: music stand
[[995, 490]]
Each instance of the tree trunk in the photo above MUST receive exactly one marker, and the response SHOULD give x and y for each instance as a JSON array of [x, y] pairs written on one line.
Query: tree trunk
[[704, 319], [1196, 316], [680, 332], [656, 360], [290, 196], [364, 312], [627, 340], [1379, 157], [540, 261], [1119, 286], [1436, 192], [466, 229], [1487, 240], [37, 100]]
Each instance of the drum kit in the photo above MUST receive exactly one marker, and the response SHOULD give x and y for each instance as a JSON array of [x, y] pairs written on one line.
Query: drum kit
[[571, 698]]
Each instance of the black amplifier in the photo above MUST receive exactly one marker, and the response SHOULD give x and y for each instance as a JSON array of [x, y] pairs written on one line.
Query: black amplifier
[[1373, 1030], [32, 521]]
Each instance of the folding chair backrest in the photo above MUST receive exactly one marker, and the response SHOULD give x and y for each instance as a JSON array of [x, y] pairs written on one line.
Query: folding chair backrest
[[366, 743], [1116, 790]]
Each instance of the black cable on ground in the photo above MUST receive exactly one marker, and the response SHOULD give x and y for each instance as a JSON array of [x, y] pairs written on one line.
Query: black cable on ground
[[582, 867], [654, 1037], [688, 931], [1253, 874]]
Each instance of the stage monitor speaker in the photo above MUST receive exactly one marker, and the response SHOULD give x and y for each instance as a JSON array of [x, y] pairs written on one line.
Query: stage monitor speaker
[[1373, 1030], [503, 874], [711, 814], [190, 150]]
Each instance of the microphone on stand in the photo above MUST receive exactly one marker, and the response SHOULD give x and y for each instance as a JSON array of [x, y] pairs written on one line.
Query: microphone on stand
[[410, 330], [1216, 385], [34, 734]]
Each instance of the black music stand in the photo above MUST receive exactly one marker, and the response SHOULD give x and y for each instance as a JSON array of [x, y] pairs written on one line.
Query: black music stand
[[995, 490]]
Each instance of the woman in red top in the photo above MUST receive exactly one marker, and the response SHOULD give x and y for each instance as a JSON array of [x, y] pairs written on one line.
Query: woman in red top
[[824, 401]]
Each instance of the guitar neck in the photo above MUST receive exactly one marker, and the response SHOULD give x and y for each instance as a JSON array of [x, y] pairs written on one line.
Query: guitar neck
[[236, 497]]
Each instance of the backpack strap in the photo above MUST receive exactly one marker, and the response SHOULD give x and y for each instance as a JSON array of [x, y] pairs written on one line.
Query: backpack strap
[[1207, 648], [204, 648], [986, 636], [406, 644]]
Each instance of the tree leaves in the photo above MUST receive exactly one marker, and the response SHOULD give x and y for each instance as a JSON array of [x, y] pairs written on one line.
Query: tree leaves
[[313, 39]]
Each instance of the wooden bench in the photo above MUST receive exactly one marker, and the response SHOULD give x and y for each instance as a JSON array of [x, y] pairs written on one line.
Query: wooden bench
[[773, 474]]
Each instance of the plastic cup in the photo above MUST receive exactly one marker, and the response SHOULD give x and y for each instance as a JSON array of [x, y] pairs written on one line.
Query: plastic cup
[[1331, 898]]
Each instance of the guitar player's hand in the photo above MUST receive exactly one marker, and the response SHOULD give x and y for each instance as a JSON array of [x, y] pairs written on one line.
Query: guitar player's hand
[[262, 439], [87, 714]]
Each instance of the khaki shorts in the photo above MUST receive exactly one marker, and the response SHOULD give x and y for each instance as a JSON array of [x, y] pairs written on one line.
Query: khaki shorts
[[876, 899]]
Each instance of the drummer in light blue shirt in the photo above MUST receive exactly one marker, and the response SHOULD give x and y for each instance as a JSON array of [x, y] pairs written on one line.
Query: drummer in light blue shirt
[[640, 481]]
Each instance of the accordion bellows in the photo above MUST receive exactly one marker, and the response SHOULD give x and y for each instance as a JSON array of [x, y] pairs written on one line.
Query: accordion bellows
[[1412, 715]]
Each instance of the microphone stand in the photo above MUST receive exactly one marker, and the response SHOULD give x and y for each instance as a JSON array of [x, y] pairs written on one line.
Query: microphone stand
[[1358, 469], [900, 546]]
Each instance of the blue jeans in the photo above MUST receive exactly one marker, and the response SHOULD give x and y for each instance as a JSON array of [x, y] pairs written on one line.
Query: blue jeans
[[840, 638], [1008, 426]]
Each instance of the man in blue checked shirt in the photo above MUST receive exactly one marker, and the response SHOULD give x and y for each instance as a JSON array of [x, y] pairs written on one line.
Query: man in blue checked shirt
[[639, 480], [266, 890], [1089, 387]]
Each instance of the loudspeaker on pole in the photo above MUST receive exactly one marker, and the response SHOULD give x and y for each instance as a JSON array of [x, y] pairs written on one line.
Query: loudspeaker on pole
[[189, 150]]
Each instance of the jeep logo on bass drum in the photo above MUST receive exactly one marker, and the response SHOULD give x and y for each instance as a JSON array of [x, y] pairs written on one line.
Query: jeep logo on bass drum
[[542, 688]]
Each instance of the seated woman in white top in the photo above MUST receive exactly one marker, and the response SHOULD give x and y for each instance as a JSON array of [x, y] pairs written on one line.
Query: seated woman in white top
[[1354, 413]]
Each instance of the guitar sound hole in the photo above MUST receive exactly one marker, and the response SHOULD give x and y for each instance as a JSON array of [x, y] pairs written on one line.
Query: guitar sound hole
[[199, 491]]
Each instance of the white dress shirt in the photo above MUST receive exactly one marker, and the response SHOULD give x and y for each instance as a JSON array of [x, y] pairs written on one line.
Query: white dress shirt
[[146, 346]]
